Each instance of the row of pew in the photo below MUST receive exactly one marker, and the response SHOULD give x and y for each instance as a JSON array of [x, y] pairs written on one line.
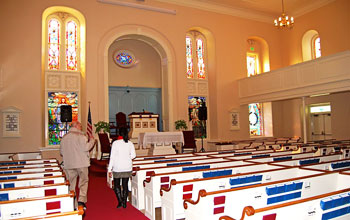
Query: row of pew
[[35, 189], [280, 181]]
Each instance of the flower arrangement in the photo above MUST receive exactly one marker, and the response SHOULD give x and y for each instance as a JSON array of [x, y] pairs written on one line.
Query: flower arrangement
[[180, 125], [102, 127]]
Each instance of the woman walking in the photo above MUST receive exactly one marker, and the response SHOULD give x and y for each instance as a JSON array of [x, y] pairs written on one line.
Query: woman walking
[[120, 165]]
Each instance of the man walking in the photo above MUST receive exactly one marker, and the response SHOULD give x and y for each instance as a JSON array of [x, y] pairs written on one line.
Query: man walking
[[75, 148]]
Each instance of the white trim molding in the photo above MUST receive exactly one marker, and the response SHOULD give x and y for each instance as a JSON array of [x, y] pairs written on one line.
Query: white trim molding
[[323, 75]]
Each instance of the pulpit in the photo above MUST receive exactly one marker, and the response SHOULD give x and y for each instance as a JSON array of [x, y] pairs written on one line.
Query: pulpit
[[141, 122]]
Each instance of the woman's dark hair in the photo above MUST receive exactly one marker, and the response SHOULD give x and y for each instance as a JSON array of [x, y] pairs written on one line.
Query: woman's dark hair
[[124, 133]]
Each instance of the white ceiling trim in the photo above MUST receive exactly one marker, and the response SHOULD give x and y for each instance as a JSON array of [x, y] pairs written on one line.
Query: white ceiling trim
[[238, 12], [246, 13]]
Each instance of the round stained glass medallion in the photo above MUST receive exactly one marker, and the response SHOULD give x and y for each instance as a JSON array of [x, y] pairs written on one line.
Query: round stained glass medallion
[[124, 58]]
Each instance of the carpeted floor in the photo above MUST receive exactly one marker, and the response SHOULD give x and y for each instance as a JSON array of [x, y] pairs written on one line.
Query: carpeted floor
[[102, 201]]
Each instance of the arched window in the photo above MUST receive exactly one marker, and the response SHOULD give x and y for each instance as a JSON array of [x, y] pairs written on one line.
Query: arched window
[[252, 64], [316, 46], [61, 39], [63, 42], [196, 63], [197, 81]]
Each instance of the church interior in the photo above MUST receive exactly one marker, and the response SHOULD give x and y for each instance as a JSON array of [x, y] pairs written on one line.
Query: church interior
[[232, 75]]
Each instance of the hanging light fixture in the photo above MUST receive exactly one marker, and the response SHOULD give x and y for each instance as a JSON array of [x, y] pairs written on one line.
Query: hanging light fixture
[[284, 21]]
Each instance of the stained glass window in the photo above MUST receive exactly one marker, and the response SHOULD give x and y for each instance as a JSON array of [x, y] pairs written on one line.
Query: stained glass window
[[199, 127], [124, 58], [255, 119], [53, 44], [251, 65], [189, 58], [71, 45], [200, 59], [56, 128], [317, 47]]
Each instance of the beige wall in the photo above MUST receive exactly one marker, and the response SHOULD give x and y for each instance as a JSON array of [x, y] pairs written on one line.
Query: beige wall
[[146, 73], [22, 83]]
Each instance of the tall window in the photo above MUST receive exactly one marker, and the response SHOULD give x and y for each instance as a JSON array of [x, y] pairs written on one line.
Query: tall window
[[62, 42], [316, 47], [62, 61], [255, 119], [196, 68], [197, 81], [255, 109]]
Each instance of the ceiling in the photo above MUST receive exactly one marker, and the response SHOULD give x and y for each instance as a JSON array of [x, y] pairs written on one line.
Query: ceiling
[[262, 10]]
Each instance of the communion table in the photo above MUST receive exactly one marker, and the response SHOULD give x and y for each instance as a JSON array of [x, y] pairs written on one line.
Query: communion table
[[160, 143]]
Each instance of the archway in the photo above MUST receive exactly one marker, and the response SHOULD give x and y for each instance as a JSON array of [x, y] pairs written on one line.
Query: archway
[[166, 54]]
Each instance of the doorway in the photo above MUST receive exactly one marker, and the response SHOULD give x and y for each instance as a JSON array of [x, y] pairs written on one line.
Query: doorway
[[320, 122]]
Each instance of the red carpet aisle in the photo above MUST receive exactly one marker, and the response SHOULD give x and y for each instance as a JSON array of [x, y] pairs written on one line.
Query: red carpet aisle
[[102, 201]]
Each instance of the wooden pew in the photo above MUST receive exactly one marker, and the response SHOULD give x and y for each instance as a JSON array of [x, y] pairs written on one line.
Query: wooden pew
[[155, 181], [159, 180], [23, 162], [212, 204], [333, 165], [33, 165], [325, 206], [159, 157], [37, 206], [305, 161], [137, 190], [9, 176], [73, 215], [38, 181], [34, 191], [20, 156], [172, 198], [142, 173]]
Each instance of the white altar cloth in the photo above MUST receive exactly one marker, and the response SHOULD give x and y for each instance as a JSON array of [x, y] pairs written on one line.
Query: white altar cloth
[[159, 138]]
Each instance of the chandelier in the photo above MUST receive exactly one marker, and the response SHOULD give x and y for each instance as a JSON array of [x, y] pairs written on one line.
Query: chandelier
[[284, 21]]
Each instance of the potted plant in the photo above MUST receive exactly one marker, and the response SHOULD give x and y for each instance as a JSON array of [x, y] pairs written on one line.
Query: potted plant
[[180, 125], [102, 127]]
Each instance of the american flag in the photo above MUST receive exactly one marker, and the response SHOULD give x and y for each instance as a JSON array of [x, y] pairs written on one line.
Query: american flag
[[89, 124]]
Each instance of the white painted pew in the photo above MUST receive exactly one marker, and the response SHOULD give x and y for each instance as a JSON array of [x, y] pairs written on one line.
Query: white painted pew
[[13, 176], [212, 204], [242, 152], [160, 157], [34, 191], [36, 206], [29, 165], [308, 160], [30, 170], [73, 215], [172, 199], [40, 181], [250, 156], [156, 181], [275, 158], [141, 174], [157, 162], [332, 205], [20, 156], [33, 161], [334, 165]]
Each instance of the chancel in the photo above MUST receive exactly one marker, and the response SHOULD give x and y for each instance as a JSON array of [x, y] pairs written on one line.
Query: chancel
[[253, 101]]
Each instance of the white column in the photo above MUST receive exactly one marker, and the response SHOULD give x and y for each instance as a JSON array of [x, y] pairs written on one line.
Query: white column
[[304, 120]]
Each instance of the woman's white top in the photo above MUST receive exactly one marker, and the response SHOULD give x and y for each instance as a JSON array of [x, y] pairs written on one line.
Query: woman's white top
[[121, 156]]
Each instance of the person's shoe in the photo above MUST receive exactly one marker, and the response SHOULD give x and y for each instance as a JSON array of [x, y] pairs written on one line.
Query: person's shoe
[[82, 204], [125, 198], [118, 193]]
